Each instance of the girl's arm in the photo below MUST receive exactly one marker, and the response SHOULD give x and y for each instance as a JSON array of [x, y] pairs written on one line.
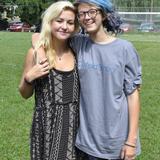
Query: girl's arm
[[31, 72]]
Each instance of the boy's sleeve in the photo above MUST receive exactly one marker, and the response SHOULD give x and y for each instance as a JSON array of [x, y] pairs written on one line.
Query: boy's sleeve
[[76, 42], [133, 70]]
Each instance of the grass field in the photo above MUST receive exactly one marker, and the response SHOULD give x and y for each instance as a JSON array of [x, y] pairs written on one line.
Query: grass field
[[16, 113]]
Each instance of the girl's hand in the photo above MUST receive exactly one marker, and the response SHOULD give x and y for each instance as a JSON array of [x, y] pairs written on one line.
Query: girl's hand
[[39, 70], [128, 153]]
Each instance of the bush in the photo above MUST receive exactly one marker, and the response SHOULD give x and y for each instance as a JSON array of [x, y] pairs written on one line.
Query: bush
[[3, 24]]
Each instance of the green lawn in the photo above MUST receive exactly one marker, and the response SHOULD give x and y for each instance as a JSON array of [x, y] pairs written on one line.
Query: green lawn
[[16, 113]]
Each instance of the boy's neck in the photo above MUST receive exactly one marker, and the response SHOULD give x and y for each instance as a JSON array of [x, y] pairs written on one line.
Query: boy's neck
[[100, 36]]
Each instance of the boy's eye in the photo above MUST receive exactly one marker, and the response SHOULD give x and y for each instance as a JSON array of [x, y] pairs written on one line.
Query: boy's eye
[[92, 11], [81, 14]]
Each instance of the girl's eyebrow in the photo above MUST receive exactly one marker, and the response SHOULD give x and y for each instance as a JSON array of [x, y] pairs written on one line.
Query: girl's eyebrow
[[64, 19]]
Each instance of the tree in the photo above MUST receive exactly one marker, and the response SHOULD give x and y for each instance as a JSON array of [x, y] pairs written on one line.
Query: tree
[[6, 6], [136, 3], [31, 10]]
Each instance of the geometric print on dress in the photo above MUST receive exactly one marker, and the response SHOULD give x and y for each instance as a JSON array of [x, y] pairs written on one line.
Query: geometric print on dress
[[55, 120], [58, 87], [70, 136]]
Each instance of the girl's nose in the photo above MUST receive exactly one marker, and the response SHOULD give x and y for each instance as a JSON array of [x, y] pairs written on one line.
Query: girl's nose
[[64, 25]]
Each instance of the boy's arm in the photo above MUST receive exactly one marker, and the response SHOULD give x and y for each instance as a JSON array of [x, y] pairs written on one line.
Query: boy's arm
[[134, 110], [35, 38], [129, 149]]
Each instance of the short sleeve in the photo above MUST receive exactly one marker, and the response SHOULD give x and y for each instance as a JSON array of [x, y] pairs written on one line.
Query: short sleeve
[[76, 42], [133, 70]]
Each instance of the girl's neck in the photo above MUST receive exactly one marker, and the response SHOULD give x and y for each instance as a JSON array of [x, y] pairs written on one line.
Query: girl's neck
[[60, 47]]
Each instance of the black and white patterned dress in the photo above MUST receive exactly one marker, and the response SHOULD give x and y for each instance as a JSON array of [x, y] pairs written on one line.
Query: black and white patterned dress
[[56, 116]]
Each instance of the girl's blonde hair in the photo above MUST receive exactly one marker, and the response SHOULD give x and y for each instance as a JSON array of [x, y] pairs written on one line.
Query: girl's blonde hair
[[45, 38]]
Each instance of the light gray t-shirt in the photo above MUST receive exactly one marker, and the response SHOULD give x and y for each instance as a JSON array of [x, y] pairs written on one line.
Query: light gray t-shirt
[[108, 73]]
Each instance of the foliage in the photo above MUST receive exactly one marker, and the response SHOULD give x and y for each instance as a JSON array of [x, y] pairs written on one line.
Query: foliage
[[136, 3], [3, 6], [30, 10], [132, 4]]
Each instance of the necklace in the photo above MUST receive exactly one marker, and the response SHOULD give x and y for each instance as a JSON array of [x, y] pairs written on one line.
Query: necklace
[[59, 57]]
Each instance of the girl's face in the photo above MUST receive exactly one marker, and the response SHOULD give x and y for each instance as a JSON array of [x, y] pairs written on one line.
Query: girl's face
[[64, 25], [90, 17]]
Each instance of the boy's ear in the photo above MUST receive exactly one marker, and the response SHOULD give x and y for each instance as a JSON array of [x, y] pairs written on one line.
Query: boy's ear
[[105, 16]]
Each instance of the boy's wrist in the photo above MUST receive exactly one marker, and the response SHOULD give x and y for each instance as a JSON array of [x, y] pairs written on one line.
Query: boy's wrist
[[132, 140]]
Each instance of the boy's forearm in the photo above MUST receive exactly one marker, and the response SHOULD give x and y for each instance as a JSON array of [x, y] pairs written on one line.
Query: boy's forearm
[[35, 38], [134, 110]]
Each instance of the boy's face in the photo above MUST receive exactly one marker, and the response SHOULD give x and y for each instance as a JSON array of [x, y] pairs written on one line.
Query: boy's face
[[90, 17]]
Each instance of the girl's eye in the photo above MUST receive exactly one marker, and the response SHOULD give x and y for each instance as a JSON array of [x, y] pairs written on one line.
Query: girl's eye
[[59, 20], [71, 23]]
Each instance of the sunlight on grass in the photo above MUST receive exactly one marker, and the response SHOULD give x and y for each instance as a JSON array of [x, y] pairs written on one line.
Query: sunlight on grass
[[16, 113]]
